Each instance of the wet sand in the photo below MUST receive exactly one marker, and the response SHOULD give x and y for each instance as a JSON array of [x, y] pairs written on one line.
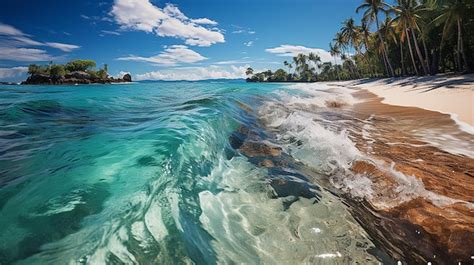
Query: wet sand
[[443, 208]]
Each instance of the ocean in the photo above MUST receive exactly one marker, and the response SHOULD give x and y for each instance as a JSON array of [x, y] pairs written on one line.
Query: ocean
[[221, 172]]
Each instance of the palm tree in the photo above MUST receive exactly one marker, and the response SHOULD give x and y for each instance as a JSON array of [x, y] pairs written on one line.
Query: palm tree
[[352, 34], [372, 9], [312, 57], [452, 17], [388, 30], [408, 17], [334, 50], [288, 65], [301, 64]]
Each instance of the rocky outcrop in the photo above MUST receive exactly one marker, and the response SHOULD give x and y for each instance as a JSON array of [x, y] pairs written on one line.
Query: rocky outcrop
[[127, 78], [77, 77]]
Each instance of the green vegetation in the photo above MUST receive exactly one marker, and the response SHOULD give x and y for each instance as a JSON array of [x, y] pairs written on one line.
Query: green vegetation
[[57, 71], [411, 37], [305, 71]]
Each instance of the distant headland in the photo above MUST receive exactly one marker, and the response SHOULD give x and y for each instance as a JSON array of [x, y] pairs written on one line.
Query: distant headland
[[73, 72]]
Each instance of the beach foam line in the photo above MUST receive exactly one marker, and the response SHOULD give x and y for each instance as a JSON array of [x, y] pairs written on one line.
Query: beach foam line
[[463, 126]]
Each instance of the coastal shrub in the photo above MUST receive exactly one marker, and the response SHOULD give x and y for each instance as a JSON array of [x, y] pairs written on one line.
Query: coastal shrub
[[57, 71], [80, 65], [280, 76], [34, 69]]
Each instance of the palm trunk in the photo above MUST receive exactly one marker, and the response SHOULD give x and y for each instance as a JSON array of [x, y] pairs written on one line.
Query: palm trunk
[[461, 47], [411, 53], [402, 58], [427, 56], [389, 68], [418, 51]]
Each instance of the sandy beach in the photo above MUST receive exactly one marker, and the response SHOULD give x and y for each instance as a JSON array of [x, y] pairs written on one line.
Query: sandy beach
[[452, 95]]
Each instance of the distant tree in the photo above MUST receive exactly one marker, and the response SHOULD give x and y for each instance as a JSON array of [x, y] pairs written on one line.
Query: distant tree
[[57, 70], [267, 75], [33, 69], [80, 65], [249, 71], [280, 75]]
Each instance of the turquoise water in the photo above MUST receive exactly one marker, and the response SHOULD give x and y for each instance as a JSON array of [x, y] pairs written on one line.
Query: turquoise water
[[145, 173]]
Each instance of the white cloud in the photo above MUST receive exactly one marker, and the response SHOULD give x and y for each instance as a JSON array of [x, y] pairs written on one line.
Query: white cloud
[[196, 73], [24, 54], [294, 50], [12, 72], [248, 43], [170, 56], [204, 21], [15, 46], [10, 31], [165, 22], [62, 46], [121, 74]]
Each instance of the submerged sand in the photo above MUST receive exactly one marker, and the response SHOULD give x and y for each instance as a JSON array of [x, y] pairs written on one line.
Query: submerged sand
[[444, 93]]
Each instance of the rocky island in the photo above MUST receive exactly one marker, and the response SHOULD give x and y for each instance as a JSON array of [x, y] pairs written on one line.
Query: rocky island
[[73, 72]]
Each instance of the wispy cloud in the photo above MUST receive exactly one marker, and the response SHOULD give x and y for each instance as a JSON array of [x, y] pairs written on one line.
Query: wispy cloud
[[12, 72], [294, 50], [15, 45], [248, 43], [196, 73], [170, 56], [24, 54], [169, 21], [242, 30], [62, 46], [233, 62], [109, 32]]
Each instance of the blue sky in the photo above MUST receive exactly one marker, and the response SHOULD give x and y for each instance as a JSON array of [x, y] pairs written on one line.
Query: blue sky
[[174, 39]]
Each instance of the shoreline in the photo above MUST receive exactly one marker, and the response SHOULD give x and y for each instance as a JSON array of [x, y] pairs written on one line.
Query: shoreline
[[451, 95]]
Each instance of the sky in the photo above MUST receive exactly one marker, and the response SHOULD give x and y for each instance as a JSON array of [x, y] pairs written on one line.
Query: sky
[[167, 40]]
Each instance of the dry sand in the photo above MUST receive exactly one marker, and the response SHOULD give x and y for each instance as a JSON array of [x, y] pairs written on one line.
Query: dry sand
[[446, 94]]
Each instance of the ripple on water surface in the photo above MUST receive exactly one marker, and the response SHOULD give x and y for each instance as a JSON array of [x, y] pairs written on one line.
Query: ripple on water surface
[[145, 173]]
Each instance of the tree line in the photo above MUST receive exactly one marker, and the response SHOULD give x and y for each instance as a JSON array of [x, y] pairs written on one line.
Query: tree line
[[60, 70], [409, 37]]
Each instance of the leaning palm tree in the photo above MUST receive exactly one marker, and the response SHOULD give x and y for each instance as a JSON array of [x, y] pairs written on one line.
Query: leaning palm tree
[[408, 15], [352, 34], [312, 57], [452, 15], [371, 14]]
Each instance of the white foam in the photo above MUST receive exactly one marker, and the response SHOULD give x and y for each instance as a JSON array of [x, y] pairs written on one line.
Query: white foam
[[451, 143], [464, 126], [154, 222]]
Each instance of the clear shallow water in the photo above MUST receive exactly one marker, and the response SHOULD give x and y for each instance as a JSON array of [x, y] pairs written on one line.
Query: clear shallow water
[[145, 173]]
